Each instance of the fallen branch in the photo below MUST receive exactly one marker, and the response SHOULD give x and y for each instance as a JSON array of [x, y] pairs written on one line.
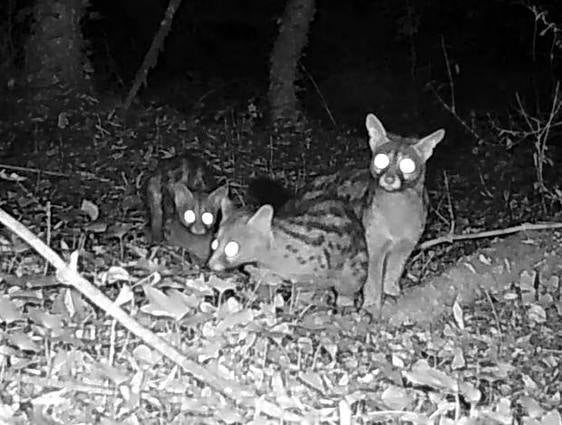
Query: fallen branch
[[68, 276], [525, 227]]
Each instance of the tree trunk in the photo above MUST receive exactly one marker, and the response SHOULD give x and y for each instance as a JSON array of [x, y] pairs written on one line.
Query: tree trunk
[[55, 54], [287, 50]]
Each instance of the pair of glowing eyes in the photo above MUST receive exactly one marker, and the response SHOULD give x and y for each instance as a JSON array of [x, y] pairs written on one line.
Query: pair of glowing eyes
[[207, 218], [231, 248], [406, 165]]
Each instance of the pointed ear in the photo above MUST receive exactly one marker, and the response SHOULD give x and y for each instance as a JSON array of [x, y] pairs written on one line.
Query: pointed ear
[[262, 218], [377, 133], [182, 195], [217, 195], [426, 145]]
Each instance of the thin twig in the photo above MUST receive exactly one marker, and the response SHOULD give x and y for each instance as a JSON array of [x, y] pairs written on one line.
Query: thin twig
[[549, 27], [525, 227], [69, 385], [84, 174], [451, 107], [33, 170], [462, 122], [449, 75], [150, 59], [494, 312], [449, 204], [48, 219], [538, 131], [322, 98]]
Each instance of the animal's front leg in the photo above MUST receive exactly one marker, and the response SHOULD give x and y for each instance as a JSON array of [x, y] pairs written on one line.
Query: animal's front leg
[[397, 257], [377, 248]]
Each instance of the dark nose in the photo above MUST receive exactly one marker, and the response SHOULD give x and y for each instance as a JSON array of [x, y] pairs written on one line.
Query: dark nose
[[389, 178], [198, 229]]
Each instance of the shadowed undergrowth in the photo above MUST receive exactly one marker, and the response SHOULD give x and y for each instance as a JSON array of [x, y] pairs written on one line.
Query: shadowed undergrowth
[[486, 362]]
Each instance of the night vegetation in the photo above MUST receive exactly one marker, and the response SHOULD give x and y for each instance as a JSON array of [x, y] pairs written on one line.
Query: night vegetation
[[100, 324]]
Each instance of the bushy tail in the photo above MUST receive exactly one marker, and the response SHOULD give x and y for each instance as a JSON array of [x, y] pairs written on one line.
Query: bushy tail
[[263, 190]]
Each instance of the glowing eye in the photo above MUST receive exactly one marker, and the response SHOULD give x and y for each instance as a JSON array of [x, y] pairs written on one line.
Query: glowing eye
[[189, 216], [214, 244], [207, 218], [381, 161], [231, 249], [407, 166]]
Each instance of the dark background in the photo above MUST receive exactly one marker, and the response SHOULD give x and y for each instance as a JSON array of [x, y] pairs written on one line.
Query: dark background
[[362, 55], [387, 57]]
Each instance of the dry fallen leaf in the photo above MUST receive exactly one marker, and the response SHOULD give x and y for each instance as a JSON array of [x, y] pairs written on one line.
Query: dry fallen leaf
[[160, 304], [23, 342], [397, 398], [9, 312], [90, 209]]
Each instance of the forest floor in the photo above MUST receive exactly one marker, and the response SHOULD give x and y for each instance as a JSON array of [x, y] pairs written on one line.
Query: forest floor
[[492, 358]]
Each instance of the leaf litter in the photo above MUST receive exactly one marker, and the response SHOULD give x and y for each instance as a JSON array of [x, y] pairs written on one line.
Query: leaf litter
[[494, 362]]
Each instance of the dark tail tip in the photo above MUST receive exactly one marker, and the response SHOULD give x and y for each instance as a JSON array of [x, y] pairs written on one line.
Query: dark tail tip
[[264, 190]]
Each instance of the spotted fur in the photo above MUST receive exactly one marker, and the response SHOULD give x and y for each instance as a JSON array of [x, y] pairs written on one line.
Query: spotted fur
[[319, 243], [390, 203]]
